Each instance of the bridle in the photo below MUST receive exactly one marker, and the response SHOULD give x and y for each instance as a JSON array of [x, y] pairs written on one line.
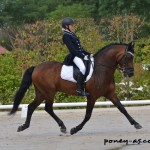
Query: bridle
[[125, 69]]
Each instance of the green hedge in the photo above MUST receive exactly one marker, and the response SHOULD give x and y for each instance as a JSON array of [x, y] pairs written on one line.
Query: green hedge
[[13, 65]]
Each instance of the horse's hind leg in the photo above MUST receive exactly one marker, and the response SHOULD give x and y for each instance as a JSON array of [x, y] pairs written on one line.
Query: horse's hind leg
[[49, 110], [31, 107], [117, 103]]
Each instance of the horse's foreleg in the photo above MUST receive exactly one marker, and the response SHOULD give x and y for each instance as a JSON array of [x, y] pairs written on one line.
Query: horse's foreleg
[[118, 104], [31, 108], [89, 109], [49, 110]]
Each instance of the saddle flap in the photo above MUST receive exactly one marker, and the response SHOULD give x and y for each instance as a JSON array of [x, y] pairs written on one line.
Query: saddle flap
[[70, 73]]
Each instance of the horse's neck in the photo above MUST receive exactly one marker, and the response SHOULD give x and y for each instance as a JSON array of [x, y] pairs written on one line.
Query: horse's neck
[[104, 69], [108, 59]]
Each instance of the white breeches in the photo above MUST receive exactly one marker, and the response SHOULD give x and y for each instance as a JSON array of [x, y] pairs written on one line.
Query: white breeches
[[79, 62]]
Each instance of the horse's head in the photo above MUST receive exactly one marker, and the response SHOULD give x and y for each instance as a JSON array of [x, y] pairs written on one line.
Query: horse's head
[[126, 61]]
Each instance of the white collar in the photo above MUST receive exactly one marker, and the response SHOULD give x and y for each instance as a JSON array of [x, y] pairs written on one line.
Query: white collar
[[66, 30]]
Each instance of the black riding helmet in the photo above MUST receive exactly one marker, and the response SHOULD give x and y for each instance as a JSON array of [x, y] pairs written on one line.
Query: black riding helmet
[[67, 21]]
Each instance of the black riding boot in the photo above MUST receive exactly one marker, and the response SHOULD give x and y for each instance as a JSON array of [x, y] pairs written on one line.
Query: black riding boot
[[80, 89]]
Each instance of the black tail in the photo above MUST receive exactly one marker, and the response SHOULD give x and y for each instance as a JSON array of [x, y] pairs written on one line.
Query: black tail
[[25, 84]]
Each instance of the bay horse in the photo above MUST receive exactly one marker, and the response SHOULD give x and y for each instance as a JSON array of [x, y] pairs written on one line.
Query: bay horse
[[47, 81]]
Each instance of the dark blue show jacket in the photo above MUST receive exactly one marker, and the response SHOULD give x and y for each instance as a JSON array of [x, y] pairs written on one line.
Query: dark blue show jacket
[[73, 44]]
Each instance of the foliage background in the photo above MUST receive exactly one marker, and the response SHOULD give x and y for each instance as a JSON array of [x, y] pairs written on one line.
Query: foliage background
[[31, 30]]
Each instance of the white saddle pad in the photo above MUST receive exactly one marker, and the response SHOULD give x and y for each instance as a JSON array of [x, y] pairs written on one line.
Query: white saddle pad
[[67, 72]]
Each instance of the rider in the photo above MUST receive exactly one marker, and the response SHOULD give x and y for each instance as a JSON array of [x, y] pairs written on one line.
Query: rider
[[77, 53]]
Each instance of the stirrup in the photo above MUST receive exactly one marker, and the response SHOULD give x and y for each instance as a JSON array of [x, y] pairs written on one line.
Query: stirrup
[[82, 93]]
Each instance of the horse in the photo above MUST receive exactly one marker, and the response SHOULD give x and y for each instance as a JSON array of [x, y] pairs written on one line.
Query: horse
[[47, 82]]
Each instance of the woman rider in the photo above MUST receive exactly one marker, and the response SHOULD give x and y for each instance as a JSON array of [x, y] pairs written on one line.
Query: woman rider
[[77, 53]]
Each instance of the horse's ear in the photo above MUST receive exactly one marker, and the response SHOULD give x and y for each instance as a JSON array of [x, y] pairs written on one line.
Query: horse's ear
[[131, 44], [131, 47]]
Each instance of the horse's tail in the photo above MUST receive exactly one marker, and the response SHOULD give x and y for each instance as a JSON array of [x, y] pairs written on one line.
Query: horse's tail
[[25, 84]]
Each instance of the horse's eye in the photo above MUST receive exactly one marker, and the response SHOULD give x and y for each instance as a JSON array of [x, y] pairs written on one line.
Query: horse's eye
[[129, 57]]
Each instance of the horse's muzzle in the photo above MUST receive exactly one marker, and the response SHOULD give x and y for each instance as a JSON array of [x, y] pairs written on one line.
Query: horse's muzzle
[[128, 72]]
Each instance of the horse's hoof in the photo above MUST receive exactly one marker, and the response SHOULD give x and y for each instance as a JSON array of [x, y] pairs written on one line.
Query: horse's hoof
[[63, 130], [20, 128], [137, 126], [23, 127], [73, 131]]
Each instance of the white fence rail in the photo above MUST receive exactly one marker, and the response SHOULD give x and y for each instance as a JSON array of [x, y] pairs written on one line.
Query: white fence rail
[[76, 104]]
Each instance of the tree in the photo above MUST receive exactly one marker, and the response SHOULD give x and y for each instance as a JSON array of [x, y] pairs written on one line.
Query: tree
[[121, 28], [109, 8], [25, 11], [75, 11], [29, 11]]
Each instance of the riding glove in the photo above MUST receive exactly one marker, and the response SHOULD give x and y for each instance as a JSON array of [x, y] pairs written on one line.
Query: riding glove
[[86, 57]]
